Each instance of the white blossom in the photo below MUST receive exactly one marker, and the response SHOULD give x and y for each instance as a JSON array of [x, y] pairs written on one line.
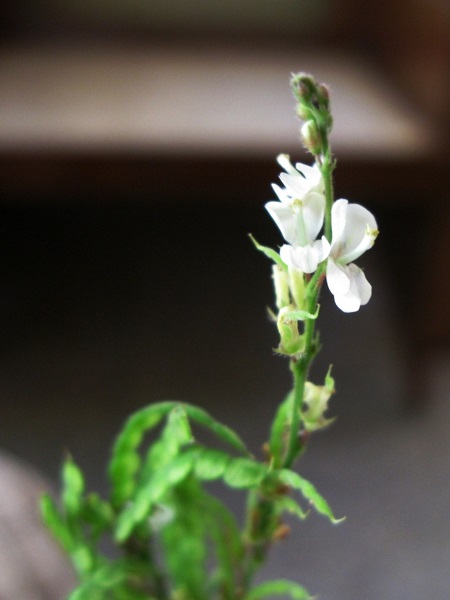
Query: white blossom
[[354, 231], [299, 215]]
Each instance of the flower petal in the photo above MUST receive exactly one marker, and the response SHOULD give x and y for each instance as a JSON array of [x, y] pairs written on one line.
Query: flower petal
[[358, 291], [305, 258], [354, 231], [360, 284], [283, 194], [284, 218], [285, 163], [313, 214], [337, 278]]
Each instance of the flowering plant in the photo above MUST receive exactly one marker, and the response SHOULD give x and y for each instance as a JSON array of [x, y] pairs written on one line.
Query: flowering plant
[[174, 539]]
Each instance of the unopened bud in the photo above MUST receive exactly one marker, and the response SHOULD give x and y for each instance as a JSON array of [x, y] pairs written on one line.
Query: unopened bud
[[311, 137], [281, 285], [324, 94], [297, 285], [316, 400], [291, 342], [303, 112]]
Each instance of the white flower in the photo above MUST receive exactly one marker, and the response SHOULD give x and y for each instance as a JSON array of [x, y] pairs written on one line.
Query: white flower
[[299, 215], [354, 231]]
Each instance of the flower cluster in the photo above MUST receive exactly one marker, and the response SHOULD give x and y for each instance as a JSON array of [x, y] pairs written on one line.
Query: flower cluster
[[299, 213]]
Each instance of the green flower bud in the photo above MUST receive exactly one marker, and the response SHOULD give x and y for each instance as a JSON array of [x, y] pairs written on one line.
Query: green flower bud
[[316, 400], [297, 286], [311, 137], [291, 342], [281, 285]]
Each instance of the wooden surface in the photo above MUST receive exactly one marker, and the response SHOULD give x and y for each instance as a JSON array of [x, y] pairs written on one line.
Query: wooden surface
[[193, 99]]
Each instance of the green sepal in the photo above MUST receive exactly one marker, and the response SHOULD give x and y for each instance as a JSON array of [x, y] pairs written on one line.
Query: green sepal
[[329, 380], [270, 253], [309, 492], [278, 587], [301, 315]]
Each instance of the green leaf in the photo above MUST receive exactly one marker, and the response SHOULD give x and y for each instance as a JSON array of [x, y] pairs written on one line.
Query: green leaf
[[55, 522], [309, 492], [278, 431], [223, 432], [288, 504], [229, 548], [119, 580], [270, 253], [244, 473], [98, 514], [73, 487], [278, 587], [176, 434], [211, 464], [125, 460], [152, 491], [185, 545]]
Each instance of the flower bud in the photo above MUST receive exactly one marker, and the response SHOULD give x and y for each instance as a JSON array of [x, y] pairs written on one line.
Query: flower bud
[[316, 403], [297, 286], [311, 137], [291, 342], [303, 112], [281, 285], [324, 95], [303, 87]]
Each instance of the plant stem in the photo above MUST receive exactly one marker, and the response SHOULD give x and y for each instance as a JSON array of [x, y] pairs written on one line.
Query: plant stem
[[326, 167]]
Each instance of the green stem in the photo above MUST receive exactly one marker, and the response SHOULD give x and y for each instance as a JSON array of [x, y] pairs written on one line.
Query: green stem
[[299, 370], [327, 170]]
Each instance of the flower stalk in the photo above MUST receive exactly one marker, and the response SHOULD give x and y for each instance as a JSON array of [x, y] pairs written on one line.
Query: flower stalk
[[174, 540]]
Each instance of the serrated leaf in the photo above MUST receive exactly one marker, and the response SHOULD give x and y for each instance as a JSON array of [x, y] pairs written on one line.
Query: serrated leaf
[[278, 587], [152, 491], [175, 434], [125, 460], [309, 492], [223, 432], [210, 464], [177, 431], [244, 473]]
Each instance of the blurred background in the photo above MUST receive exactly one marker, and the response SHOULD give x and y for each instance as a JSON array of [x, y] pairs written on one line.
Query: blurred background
[[137, 148]]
